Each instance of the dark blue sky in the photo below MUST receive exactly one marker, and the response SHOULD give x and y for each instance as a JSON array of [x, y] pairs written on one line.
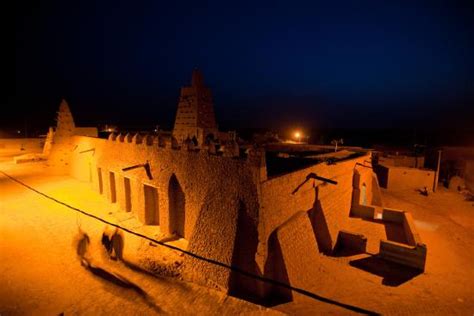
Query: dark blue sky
[[320, 63]]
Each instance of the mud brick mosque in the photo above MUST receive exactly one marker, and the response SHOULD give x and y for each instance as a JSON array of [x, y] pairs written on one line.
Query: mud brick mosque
[[255, 208]]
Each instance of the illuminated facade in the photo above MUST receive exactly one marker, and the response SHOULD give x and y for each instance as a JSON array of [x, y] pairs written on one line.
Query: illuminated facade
[[228, 206]]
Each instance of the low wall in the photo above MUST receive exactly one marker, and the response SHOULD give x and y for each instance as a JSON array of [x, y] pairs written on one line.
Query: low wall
[[22, 144], [393, 215], [32, 157], [414, 257], [401, 178], [363, 211], [403, 161], [411, 233], [353, 241], [412, 254]]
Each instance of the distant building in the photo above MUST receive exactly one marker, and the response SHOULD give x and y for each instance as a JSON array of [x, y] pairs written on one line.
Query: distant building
[[402, 172]]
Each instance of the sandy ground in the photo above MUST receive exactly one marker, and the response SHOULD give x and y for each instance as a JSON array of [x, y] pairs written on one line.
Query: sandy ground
[[445, 223], [40, 272]]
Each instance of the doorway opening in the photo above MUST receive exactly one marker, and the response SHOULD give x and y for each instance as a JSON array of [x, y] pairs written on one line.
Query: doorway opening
[[151, 205], [128, 194], [99, 179], [177, 204], [113, 192]]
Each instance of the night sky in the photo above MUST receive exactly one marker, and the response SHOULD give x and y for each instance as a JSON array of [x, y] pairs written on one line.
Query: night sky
[[321, 63]]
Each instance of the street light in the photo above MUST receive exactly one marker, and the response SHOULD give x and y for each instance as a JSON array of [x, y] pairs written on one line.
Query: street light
[[297, 136]]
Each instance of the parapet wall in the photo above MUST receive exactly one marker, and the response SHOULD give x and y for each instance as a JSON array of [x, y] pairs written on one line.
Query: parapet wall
[[413, 253], [327, 205]]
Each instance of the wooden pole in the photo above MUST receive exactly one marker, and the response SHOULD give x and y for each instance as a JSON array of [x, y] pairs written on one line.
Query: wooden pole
[[435, 184]]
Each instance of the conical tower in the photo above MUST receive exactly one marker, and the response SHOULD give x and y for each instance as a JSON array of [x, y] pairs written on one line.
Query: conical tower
[[63, 138], [65, 121], [195, 115]]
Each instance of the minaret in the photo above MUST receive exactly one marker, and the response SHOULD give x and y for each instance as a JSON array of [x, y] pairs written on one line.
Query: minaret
[[63, 138], [65, 122], [195, 116]]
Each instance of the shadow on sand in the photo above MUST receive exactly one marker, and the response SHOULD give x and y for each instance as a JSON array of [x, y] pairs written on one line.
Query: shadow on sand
[[393, 274], [341, 251], [170, 238], [136, 268], [121, 281], [115, 278]]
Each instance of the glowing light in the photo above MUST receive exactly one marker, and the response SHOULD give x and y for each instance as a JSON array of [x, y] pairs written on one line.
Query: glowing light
[[297, 135], [109, 128]]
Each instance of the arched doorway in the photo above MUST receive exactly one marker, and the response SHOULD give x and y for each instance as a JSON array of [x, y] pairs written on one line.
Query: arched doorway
[[177, 204]]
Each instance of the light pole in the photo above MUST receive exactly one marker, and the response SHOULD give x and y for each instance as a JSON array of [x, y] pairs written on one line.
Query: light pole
[[335, 142], [435, 184]]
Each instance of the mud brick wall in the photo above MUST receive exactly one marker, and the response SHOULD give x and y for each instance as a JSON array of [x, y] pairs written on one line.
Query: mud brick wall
[[207, 199], [328, 205], [400, 178]]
